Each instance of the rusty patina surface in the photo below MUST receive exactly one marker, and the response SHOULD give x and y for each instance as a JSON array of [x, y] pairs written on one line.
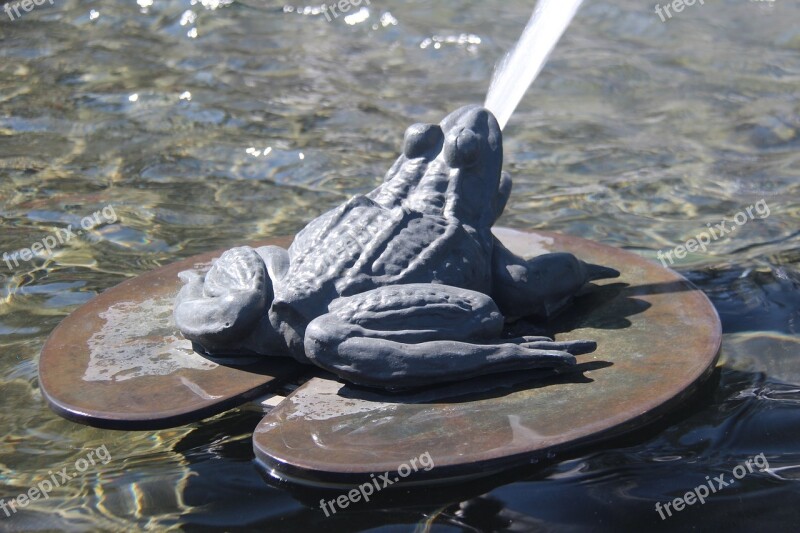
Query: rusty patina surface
[[658, 338], [119, 361]]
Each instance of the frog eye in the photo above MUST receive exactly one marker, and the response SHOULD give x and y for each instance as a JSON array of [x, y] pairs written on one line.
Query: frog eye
[[420, 138], [462, 150]]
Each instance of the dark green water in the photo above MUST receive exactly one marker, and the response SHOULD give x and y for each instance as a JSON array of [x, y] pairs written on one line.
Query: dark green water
[[639, 133]]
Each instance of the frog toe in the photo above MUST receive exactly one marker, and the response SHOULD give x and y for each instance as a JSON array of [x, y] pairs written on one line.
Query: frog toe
[[578, 347]]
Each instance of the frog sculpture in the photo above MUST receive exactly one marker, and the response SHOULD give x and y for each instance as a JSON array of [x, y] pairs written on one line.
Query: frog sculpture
[[402, 287]]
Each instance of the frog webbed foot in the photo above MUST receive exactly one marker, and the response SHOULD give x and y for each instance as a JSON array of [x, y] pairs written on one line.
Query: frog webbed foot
[[560, 349], [413, 335], [217, 311]]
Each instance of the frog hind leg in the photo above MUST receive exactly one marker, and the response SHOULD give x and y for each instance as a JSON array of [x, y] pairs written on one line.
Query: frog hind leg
[[403, 336], [223, 311]]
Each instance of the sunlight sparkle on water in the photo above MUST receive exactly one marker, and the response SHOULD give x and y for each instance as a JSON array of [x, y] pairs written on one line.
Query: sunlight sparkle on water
[[522, 64]]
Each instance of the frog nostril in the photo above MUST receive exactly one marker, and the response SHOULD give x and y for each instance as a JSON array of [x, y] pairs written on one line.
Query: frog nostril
[[421, 138]]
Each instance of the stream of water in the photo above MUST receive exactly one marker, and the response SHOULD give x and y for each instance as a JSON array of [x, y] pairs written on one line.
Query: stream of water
[[519, 68]]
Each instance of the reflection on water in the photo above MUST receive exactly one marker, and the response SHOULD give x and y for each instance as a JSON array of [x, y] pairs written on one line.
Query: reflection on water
[[205, 123]]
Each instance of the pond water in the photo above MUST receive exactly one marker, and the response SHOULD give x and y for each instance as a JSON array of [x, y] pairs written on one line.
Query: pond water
[[204, 123]]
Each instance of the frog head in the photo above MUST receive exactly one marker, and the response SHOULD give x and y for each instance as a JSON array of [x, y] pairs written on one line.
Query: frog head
[[454, 166]]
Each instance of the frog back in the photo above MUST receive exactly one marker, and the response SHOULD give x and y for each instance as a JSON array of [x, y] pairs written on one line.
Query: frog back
[[362, 245]]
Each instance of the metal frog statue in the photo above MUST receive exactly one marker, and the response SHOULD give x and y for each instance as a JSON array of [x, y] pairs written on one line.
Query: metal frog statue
[[402, 287]]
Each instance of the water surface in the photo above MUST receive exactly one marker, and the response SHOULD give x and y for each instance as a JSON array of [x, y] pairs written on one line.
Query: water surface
[[208, 123]]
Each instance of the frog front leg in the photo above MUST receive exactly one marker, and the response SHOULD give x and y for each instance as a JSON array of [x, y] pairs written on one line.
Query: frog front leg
[[226, 311], [540, 287], [418, 334]]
